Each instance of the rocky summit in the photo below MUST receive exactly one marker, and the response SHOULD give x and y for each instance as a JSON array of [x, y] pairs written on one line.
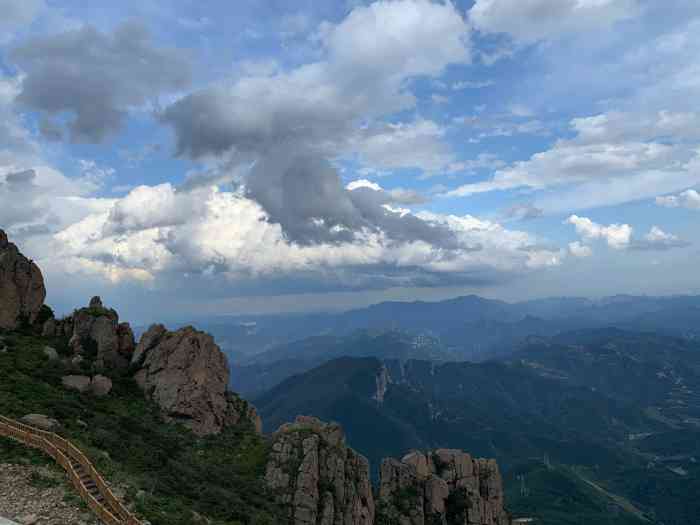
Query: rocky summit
[[96, 331], [318, 479], [186, 374], [441, 487], [21, 287]]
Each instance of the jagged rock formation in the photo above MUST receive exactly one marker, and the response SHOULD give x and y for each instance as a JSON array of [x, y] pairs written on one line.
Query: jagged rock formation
[[317, 477], [22, 290], [446, 487], [95, 332], [186, 374]]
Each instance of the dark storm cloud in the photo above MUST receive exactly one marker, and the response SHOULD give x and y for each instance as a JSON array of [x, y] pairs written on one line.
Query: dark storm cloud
[[97, 77]]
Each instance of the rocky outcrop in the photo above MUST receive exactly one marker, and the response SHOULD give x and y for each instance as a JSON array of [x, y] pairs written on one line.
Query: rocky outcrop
[[318, 479], [187, 375], [446, 487], [22, 290], [96, 333]]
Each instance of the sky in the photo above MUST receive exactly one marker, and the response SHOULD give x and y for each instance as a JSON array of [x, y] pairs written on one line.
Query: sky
[[186, 159]]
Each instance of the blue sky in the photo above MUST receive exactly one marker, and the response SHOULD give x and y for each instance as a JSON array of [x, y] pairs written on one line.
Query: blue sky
[[188, 158]]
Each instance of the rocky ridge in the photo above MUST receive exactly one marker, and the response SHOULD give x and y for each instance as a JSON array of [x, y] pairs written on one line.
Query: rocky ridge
[[21, 287]]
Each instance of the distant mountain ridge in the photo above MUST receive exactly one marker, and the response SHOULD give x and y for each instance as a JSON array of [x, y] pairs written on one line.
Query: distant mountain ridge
[[613, 406], [473, 327]]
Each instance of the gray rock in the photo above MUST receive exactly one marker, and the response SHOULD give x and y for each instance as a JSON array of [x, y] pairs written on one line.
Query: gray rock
[[96, 302], [22, 290], [317, 477], [100, 385], [431, 478], [148, 341], [98, 329], [79, 383], [41, 421], [51, 353], [187, 375]]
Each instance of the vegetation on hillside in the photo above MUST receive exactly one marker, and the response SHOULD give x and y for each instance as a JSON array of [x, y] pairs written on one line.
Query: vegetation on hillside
[[167, 472]]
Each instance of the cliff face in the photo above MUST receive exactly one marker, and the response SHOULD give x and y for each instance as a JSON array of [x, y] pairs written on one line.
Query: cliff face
[[318, 479], [446, 487], [21, 286], [187, 375]]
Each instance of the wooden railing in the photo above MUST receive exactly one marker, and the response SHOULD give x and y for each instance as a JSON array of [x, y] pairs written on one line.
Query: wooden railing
[[111, 511]]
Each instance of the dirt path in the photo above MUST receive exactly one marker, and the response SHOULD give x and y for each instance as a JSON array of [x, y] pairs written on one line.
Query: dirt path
[[38, 496]]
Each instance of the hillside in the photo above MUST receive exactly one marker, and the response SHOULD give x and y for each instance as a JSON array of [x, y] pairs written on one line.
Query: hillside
[[168, 472], [610, 412]]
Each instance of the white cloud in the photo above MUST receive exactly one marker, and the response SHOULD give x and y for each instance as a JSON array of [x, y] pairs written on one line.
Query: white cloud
[[230, 237], [689, 199], [363, 183], [580, 250], [416, 144], [532, 20], [617, 236], [614, 157], [657, 239]]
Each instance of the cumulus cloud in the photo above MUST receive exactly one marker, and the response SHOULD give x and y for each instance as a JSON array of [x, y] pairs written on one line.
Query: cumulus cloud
[[147, 236], [528, 21], [96, 77], [580, 250], [619, 237], [689, 199], [659, 240]]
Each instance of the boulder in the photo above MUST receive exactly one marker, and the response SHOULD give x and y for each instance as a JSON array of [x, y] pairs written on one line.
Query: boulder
[[22, 290], [316, 477], [187, 375], [79, 383], [41, 421], [100, 385]]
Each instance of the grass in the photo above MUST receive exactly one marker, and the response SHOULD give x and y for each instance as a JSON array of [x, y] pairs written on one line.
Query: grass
[[166, 471]]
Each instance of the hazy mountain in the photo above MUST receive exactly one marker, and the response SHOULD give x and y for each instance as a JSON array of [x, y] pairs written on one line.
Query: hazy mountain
[[595, 400], [470, 328]]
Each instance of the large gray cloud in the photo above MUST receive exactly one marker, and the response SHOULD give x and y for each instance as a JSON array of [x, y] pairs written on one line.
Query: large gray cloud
[[95, 77], [288, 123], [17, 13]]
